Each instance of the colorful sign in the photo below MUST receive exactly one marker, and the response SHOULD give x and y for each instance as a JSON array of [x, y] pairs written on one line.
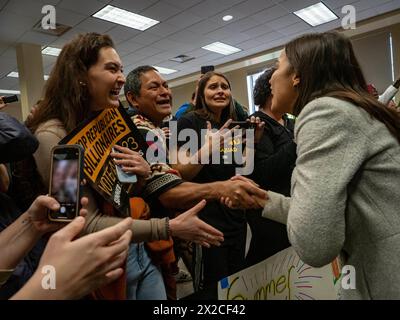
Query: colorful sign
[[282, 277], [97, 136]]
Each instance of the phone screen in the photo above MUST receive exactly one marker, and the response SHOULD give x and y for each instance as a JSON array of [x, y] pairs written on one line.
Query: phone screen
[[65, 184]]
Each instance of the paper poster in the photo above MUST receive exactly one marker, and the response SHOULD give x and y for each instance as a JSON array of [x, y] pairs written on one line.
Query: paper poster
[[97, 136], [282, 277]]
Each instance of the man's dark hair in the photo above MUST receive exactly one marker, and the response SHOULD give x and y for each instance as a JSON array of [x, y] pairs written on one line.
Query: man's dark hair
[[262, 87], [133, 83]]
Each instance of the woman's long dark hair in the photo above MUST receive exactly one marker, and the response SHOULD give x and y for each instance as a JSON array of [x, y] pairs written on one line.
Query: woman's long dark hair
[[66, 95], [201, 107], [327, 66]]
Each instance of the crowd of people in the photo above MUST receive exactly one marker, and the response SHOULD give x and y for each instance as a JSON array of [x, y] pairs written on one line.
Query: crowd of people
[[322, 183]]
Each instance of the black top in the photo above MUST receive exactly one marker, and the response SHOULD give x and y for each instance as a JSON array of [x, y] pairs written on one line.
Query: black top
[[275, 156], [228, 221]]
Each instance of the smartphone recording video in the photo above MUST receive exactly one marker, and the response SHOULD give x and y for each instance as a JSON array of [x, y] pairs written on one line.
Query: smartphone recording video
[[65, 181]]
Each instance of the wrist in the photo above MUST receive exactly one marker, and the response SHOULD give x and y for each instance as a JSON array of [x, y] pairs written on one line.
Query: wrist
[[33, 290], [27, 221], [170, 227], [217, 190]]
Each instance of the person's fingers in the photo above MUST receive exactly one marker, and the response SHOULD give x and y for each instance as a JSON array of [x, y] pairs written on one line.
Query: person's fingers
[[71, 230], [228, 202], [241, 178], [245, 200], [114, 275], [211, 240], [226, 125], [210, 231], [114, 263], [260, 202], [101, 279], [124, 156], [196, 209], [110, 234], [129, 162], [256, 191], [204, 244], [44, 202], [124, 149], [84, 201], [119, 246], [209, 125]]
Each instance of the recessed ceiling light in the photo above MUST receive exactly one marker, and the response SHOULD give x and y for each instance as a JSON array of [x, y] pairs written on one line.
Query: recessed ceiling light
[[125, 18], [14, 74], [227, 18], [9, 91], [221, 48], [316, 14], [163, 70], [51, 51]]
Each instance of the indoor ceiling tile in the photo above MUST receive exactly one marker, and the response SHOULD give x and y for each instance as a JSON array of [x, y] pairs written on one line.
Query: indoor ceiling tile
[[161, 11], [86, 7], [95, 25], [135, 6]]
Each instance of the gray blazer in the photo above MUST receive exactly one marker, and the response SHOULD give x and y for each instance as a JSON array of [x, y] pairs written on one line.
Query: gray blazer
[[345, 196]]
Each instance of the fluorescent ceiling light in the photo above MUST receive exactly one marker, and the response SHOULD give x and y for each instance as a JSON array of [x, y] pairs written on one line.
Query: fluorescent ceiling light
[[14, 74], [221, 48], [163, 70], [10, 91], [125, 18], [316, 14], [227, 18], [51, 51]]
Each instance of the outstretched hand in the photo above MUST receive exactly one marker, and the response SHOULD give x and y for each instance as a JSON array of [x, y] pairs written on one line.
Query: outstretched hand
[[188, 226]]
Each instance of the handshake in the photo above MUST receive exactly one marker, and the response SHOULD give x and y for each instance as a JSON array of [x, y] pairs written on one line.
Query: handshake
[[242, 193]]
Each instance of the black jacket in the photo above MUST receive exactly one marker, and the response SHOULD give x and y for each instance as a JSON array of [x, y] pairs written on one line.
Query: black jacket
[[275, 155], [16, 141]]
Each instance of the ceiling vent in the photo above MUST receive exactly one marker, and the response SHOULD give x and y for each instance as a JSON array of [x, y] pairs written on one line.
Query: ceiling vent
[[181, 58], [58, 31]]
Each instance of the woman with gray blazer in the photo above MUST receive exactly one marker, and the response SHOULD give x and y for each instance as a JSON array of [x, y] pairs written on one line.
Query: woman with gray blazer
[[345, 196]]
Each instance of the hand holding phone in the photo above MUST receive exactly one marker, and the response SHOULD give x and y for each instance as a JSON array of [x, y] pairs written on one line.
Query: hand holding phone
[[124, 177], [10, 99], [241, 124], [66, 181]]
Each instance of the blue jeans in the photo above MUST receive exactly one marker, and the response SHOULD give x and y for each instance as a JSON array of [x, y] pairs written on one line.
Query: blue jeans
[[144, 279]]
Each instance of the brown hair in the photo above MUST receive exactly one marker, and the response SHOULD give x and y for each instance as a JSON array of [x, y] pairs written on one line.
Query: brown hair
[[66, 95], [201, 107], [327, 66]]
